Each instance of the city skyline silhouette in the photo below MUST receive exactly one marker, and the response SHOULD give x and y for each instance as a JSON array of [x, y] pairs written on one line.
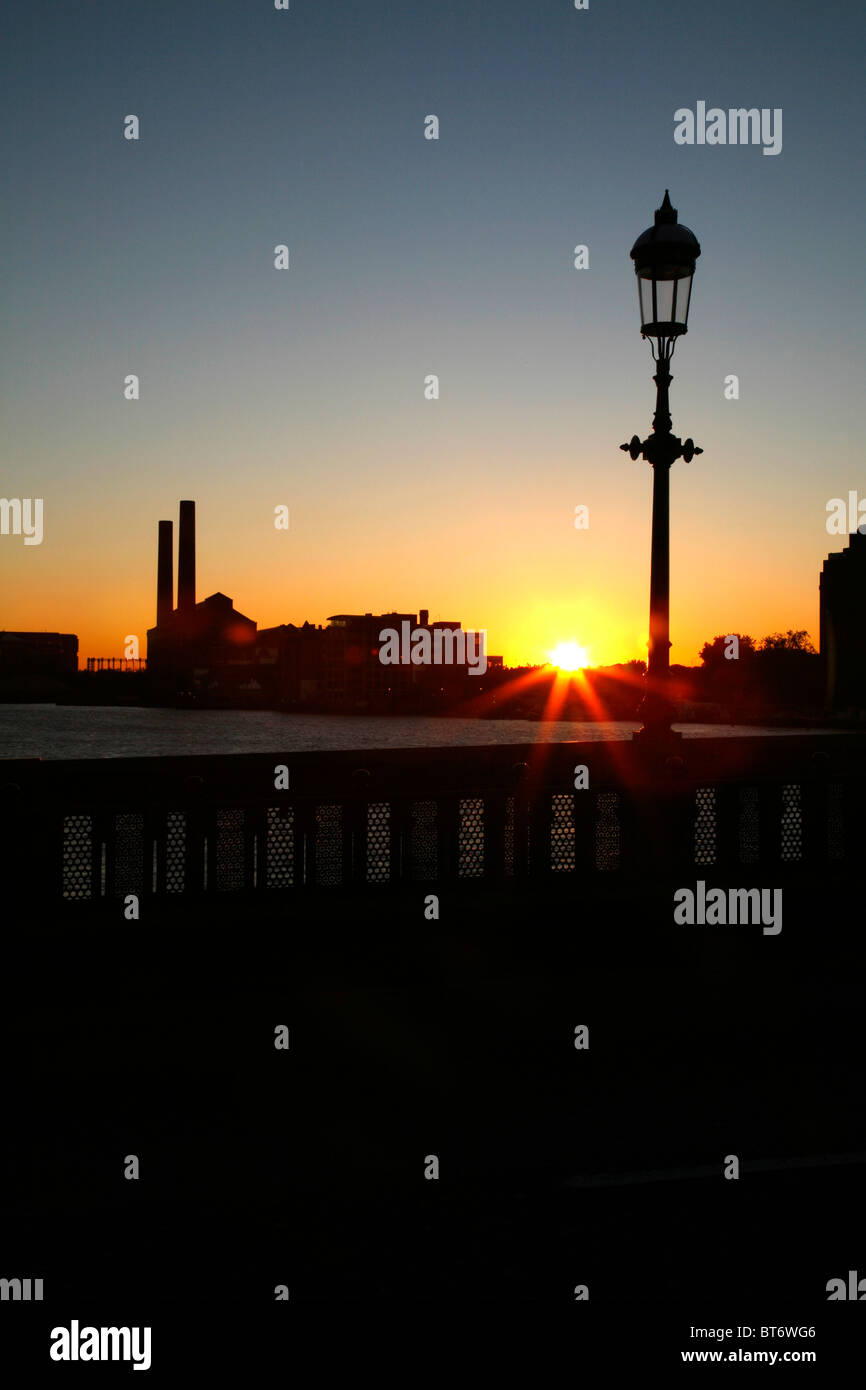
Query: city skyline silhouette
[[410, 257]]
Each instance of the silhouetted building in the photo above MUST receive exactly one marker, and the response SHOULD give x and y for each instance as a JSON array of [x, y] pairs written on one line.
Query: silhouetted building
[[211, 649], [842, 589], [289, 663], [207, 647], [352, 674], [38, 653], [356, 677], [37, 665]]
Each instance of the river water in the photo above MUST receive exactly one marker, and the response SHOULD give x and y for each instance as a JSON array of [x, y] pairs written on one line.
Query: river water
[[110, 731]]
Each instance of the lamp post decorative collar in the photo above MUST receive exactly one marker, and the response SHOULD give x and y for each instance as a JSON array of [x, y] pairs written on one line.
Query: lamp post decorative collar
[[664, 260]]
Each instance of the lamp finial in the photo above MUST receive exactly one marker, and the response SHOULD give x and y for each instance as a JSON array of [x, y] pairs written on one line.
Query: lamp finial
[[666, 213]]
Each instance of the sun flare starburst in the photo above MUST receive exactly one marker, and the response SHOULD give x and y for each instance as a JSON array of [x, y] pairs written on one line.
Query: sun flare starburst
[[569, 656]]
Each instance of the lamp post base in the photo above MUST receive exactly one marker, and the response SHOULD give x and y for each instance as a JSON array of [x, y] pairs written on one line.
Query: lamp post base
[[657, 734], [657, 714]]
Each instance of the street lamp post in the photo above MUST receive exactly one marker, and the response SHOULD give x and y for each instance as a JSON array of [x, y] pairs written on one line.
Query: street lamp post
[[664, 260]]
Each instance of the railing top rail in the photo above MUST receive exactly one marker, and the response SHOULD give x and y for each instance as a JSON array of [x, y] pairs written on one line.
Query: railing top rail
[[419, 772]]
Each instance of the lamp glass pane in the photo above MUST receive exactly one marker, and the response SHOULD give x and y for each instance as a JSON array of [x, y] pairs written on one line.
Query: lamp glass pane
[[665, 300], [645, 293], [684, 291]]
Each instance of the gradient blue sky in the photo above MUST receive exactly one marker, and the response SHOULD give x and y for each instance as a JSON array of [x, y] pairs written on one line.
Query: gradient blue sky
[[409, 257]]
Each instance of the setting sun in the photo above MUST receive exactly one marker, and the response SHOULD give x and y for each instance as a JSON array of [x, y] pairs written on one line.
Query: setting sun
[[568, 656]]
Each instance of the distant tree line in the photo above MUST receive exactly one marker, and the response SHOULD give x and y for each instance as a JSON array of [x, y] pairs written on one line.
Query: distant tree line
[[739, 679], [780, 673]]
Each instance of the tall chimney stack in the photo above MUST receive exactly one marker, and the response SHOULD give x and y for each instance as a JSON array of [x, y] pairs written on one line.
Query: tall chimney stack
[[186, 556], [164, 574]]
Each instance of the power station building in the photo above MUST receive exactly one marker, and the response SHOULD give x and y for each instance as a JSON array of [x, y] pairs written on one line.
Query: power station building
[[195, 647], [213, 652]]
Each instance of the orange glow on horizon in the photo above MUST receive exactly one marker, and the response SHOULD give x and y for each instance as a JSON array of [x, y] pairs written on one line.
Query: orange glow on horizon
[[105, 591]]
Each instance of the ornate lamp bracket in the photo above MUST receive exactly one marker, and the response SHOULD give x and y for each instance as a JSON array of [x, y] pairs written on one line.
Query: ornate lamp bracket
[[666, 448]]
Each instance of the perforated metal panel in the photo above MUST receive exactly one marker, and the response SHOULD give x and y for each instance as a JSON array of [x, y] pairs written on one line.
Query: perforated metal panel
[[792, 822], [175, 851], [378, 842], [423, 847], [608, 836], [561, 833], [470, 858], [329, 844], [508, 837], [280, 848], [835, 822], [749, 826], [705, 825], [229, 850], [77, 856], [128, 852]]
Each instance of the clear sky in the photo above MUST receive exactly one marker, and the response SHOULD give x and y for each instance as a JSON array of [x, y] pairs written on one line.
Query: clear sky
[[408, 257]]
